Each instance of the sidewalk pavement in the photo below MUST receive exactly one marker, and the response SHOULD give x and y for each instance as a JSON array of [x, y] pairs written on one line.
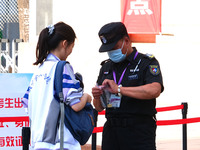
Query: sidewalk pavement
[[193, 144]]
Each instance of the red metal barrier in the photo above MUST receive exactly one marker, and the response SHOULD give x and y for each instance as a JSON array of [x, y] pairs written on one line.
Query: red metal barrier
[[163, 123], [161, 109], [184, 122], [178, 121]]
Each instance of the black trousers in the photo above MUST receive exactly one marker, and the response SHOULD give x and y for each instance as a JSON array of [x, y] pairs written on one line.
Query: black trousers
[[135, 133]]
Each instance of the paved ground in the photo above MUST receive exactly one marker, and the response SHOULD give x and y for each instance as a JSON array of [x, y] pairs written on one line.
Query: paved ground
[[193, 144]]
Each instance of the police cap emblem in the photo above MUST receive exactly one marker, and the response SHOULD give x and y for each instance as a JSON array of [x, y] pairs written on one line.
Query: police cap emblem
[[103, 39]]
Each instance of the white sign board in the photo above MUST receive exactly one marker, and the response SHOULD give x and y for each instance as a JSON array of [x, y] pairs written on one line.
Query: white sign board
[[12, 114]]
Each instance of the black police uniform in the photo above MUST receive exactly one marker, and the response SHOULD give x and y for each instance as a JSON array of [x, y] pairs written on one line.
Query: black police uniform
[[132, 126]]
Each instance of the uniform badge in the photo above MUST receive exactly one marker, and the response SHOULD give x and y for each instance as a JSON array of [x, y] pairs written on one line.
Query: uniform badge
[[106, 72], [154, 69]]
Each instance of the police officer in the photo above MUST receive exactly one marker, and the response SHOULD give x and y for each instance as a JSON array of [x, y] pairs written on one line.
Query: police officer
[[127, 86]]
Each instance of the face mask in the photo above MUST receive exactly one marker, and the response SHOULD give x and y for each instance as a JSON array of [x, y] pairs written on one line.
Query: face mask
[[116, 55]]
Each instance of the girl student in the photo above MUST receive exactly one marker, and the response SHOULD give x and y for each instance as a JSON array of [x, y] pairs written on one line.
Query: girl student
[[55, 43]]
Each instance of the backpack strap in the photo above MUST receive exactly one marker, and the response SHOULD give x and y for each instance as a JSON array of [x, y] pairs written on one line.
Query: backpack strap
[[59, 93], [59, 79]]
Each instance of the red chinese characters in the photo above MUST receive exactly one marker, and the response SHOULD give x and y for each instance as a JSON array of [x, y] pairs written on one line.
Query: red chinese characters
[[2, 141], [1, 103], [18, 103], [10, 141], [10, 103], [21, 124], [19, 121]]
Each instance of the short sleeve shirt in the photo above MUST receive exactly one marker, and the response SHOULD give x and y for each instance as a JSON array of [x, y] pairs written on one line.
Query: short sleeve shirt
[[142, 70]]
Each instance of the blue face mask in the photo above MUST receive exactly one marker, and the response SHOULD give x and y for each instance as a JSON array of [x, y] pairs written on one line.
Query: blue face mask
[[116, 55]]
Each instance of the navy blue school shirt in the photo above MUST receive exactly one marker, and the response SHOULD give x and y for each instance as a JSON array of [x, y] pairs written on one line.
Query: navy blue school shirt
[[148, 71]]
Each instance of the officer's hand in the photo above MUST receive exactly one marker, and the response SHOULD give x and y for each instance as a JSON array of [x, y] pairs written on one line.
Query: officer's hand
[[96, 92], [111, 86]]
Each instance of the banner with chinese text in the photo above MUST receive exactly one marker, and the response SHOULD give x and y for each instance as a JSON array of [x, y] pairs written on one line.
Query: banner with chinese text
[[12, 114], [142, 16]]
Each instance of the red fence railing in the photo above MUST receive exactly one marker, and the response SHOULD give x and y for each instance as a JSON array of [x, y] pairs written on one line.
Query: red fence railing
[[184, 121]]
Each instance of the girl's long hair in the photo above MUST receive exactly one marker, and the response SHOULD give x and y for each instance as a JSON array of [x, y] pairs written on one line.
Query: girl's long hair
[[50, 40]]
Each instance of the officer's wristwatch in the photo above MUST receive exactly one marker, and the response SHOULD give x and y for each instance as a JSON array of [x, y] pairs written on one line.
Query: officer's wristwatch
[[119, 91]]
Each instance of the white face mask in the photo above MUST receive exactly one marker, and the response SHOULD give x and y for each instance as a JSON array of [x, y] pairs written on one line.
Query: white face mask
[[116, 55]]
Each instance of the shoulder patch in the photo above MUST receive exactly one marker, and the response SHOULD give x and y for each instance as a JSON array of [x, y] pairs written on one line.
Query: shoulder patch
[[154, 69], [105, 61], [150, 56]]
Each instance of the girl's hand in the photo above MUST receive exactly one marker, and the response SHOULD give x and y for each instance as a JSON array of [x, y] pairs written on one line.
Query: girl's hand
[[87, 97]]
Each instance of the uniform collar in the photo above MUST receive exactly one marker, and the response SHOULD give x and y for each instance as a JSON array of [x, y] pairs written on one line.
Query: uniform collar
[[130, 58], [52, 57]]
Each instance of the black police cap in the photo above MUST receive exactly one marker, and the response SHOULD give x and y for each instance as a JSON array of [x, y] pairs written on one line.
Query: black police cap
[[110, 34]]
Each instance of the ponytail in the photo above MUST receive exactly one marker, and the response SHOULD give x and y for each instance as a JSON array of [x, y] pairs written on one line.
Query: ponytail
[[42, 48], [50, 38]]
